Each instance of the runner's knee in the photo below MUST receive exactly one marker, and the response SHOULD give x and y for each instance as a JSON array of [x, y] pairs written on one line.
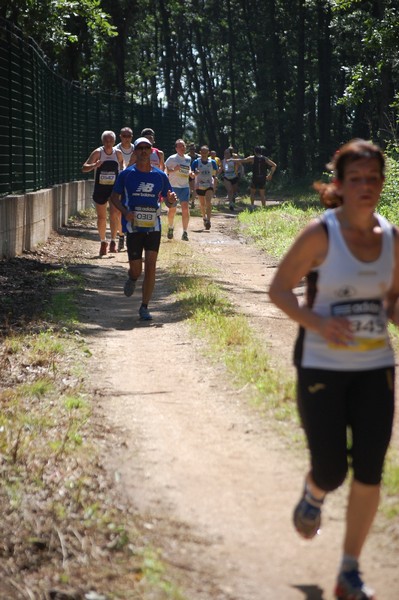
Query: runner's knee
[[330, 477]]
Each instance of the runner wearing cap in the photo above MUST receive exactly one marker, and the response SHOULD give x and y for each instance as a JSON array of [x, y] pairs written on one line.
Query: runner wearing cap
[[136, 195]]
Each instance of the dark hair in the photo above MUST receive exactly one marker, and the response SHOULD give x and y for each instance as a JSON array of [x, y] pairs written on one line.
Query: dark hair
[[356, 149], [258, 149], [147, 131]]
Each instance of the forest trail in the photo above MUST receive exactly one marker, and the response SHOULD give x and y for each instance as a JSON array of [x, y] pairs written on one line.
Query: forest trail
[[215, 481]]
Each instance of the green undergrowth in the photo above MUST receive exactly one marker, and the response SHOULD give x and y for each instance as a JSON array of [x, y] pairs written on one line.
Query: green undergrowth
[[63, 302], [65, 532], [273, 229], [391, 484], [228, 335]]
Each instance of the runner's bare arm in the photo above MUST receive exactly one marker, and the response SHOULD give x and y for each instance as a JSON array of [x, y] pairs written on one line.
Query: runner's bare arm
[[171, 197], [120, 159], [116, 201], [306, 253], [272, 170], [161, 160], [248, 159], [92, 162]]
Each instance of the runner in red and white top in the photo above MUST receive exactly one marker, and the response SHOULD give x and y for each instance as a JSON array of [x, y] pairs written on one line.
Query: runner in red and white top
[[157, 157]]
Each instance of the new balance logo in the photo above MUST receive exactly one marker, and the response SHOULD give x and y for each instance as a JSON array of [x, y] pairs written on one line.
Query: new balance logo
[[317, 387], [145, 187]]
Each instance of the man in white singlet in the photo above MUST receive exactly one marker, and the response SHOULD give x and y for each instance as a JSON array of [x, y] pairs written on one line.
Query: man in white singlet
[[127, 149], [106, 162]]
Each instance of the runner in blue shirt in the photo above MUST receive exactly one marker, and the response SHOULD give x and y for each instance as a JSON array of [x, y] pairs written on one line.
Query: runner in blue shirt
[[137, 194]]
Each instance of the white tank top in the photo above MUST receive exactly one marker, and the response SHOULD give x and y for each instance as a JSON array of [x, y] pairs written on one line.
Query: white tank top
[[348, 287], [229, 168], [126, 153]]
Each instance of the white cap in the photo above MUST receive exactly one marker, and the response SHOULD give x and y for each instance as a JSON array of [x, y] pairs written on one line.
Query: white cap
[[142, 140]]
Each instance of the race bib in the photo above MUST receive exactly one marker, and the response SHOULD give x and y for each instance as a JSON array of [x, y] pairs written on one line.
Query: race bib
[[368, 324], [107, 178], [145, 216], [184, 171], [204, 178]]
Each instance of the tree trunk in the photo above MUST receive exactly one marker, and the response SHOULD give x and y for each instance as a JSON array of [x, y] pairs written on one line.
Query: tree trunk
[[298, 149], [324, 77], [231, 47]]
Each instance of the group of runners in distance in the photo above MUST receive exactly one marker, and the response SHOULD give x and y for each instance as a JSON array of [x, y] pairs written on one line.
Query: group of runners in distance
[[134, 184], [350, 260]]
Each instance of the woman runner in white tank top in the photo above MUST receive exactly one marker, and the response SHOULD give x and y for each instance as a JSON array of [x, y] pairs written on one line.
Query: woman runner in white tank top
[[344, 360]]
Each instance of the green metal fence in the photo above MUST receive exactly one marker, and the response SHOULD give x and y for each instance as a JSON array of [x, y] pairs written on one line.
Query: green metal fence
[[49, 126]]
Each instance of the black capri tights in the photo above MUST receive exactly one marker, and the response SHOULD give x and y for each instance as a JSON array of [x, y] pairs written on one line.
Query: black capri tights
[[330, 404]]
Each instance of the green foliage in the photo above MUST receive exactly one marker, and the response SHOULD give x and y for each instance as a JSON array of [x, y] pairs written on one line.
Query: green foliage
[[299, 95], [155, 574], [391, 484], [389, 203], [57, 26], [274, 229]]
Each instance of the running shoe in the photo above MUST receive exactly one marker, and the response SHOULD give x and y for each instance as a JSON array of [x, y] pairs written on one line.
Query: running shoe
[[231, 207], [184, 237], [112, 247], [351, 587], [170, 233], [129, 287], [145, 314], [121, 243], [307, 515], [103, 248], [207, 225], [204, 220]]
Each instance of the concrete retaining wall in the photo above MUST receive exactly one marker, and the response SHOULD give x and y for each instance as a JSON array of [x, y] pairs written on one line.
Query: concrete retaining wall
[[27, 221]]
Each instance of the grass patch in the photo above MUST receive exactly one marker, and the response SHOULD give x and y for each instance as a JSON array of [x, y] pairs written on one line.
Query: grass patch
[[155, 574], [274, 229], [391, 484], [63, 525], [228, 335], [62, 307]]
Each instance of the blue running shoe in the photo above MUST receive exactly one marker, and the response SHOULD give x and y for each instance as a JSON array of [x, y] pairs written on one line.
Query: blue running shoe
[[351, 587], [145, 314], [307, 516]]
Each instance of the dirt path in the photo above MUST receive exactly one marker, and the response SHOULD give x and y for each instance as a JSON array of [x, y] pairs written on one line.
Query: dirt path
[[214, 479]]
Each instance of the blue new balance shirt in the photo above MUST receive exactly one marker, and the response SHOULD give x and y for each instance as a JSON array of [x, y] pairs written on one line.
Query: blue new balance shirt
[[141, 193]]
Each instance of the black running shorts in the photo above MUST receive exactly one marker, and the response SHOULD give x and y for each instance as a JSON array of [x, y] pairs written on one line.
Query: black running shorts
[[203, 192], [258, 184], [330, 404], [137, 242]]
